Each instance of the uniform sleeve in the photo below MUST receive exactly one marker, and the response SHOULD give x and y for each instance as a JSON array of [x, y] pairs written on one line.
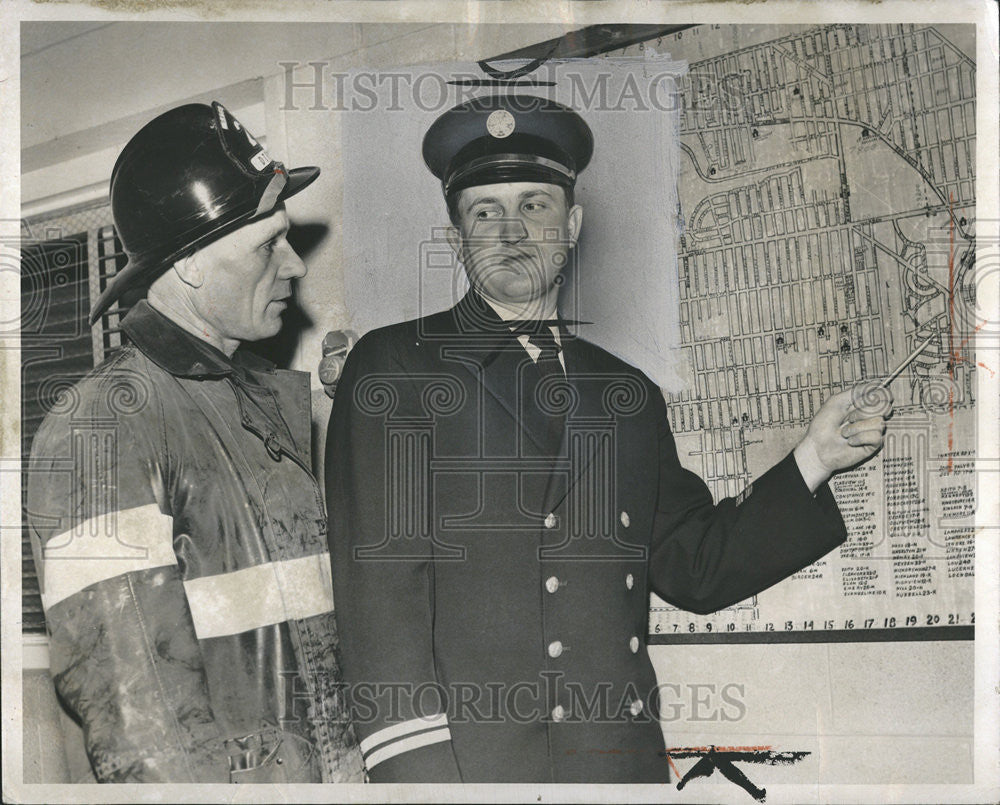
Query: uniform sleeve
[[383, 574], [708, 556], [124, 655]]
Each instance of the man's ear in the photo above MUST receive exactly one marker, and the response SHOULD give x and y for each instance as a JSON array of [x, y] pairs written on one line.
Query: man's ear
[[574, 222], [454, 238], [190, 270]]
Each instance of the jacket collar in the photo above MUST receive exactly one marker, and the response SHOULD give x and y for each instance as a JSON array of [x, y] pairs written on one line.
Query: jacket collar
[[179, 352], [474, 316], [480, 329]]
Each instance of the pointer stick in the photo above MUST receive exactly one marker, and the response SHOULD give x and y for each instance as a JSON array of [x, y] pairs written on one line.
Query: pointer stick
[[884, 384], [906, 362]]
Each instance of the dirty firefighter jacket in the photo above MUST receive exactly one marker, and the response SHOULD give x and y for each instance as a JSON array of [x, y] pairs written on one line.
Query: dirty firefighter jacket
[[181, 543]]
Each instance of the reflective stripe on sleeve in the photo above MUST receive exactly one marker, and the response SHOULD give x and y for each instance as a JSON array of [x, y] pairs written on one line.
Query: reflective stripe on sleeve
[[405, 737], [231, 603], [103, 547]]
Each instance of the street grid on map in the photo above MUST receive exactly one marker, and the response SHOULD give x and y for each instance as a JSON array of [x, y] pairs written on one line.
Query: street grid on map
[[827, 198]]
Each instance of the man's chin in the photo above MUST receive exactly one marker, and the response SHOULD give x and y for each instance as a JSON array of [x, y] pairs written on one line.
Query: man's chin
[[268, 328], [519, 296], [520, 266]]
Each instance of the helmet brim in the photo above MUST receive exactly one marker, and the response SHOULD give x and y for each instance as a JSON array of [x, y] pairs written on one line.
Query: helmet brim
[[143, 269]]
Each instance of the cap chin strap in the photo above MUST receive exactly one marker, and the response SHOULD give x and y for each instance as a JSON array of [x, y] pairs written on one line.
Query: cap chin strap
[[273, 190], [509, 161]]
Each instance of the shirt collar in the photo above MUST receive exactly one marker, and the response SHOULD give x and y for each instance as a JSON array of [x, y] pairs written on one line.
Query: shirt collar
[[477, 321], [179, 352], [506, 314]]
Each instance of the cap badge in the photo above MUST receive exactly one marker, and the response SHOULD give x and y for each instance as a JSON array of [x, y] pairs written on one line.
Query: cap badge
[[500, 123]]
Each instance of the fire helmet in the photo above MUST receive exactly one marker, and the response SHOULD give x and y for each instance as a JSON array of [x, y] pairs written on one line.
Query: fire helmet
[[188, 177]]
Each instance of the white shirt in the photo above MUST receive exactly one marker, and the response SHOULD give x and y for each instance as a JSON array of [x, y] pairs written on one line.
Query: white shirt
[[508, 314]]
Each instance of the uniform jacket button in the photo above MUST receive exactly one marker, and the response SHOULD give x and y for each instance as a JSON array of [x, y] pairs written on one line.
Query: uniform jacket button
[[555, 648], [633, 644], [636, 707], [558, 713], [551, 521], [629, 581], [625, 519], [552, 584]]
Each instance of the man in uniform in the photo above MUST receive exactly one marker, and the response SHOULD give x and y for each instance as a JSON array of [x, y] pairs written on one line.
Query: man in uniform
[[178, 529], [504, 496]]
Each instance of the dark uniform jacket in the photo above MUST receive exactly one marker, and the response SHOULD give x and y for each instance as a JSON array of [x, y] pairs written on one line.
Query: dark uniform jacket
[[181, 542], [493, 599]]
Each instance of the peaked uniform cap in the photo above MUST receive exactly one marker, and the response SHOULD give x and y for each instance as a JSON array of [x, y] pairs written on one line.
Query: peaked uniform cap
[[507, 138]]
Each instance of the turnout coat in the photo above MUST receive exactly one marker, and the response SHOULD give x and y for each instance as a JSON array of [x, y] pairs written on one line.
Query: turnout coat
[[492, 599], [181, 542]]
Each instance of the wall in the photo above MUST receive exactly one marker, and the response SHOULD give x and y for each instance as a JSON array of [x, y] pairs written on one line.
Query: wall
[[911, 717]]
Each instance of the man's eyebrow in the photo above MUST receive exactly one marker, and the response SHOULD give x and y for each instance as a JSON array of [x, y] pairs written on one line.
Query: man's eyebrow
[[274, 232], [533, 193], [481, 200]]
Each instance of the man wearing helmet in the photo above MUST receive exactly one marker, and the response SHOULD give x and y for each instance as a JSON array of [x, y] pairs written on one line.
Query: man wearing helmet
[[177, 527], [505, 495]]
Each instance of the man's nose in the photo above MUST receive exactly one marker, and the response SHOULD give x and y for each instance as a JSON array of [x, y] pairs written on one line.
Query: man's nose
[[512, 230], [292, 266]]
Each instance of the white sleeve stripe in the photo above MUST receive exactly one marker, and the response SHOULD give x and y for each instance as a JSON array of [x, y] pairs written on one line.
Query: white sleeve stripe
[[402, 730], [262, 595], [407, 745], [104, 547]]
